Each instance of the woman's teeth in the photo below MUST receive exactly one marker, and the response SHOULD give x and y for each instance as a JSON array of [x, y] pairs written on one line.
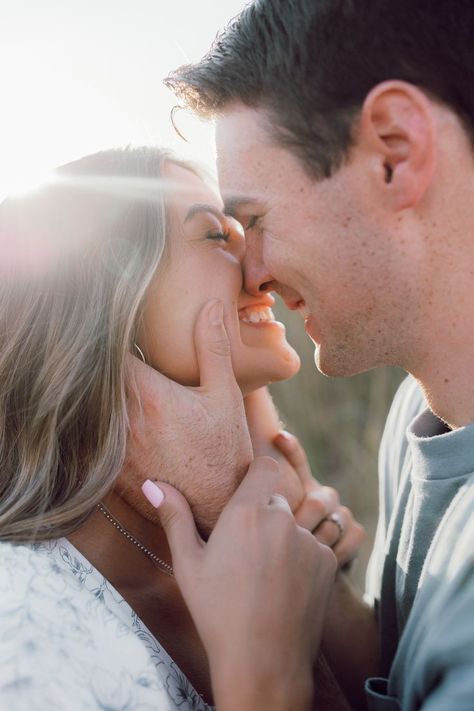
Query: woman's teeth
[[253, 315]]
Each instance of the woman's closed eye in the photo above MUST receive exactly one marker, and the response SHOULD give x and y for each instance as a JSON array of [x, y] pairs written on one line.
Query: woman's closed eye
[[219, 235]]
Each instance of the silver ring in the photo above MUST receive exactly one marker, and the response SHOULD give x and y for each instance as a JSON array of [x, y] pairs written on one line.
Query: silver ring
[[336, 519]]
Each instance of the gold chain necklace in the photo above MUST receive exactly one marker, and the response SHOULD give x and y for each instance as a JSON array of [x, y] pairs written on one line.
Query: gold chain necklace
[[164, 567]]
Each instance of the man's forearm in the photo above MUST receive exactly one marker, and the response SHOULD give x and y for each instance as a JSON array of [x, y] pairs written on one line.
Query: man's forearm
[[350, 641]]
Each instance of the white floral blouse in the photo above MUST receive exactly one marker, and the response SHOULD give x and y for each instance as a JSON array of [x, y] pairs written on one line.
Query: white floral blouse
[[69, 641]]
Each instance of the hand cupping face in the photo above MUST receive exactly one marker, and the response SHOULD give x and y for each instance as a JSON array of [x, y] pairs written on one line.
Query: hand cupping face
[[193, 438]]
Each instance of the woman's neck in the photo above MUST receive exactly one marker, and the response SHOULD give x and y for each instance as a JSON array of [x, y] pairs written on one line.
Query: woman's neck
[[153, 594], [117, 557]]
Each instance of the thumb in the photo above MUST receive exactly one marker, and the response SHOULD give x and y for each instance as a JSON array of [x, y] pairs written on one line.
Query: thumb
[[178, 524], [213, 348]]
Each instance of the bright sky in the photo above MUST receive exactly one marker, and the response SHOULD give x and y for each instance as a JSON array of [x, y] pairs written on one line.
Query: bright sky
[[77, 76]]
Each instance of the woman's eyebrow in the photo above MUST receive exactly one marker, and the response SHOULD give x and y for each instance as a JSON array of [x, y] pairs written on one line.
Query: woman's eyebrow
[[200, 207]]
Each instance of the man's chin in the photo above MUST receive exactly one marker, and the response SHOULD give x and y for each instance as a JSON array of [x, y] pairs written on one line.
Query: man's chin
[[206, 518], [205, 524], [335, 364]]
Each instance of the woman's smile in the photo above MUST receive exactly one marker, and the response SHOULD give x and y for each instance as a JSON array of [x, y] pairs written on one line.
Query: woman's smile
[[206, 249]]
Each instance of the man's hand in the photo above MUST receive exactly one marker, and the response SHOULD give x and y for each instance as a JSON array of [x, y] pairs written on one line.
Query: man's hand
[[177, 432], [257, 591]]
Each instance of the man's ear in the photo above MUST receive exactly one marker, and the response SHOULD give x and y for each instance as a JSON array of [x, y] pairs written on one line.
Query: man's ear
[[397, 128]]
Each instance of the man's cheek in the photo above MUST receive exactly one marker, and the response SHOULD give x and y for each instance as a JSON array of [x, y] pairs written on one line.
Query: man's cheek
[[207, 497]]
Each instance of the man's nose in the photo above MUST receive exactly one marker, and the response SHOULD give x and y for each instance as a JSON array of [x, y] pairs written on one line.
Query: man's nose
[[257, 278]]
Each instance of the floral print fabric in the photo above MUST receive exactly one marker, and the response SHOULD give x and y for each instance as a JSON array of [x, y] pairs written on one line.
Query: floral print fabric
[[69, 641]]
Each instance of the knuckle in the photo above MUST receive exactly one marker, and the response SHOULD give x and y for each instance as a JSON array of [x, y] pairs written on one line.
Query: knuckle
[[268, 463], [333, 495], [317, 505], [291, 438], [169, 518], [346, 514], [220, 347]]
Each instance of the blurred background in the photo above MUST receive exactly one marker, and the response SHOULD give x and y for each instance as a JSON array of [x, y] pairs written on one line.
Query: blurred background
[[78, 76]]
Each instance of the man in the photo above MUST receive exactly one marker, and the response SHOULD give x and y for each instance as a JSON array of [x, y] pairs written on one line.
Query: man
[[345, 133]]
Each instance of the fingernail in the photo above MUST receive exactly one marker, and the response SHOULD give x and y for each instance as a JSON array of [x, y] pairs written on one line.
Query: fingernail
[[216, 314], [153, 493], [285, 435]]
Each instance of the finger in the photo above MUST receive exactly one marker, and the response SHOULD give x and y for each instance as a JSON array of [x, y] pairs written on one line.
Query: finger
[[291, 448], [213, 349], [277, 501], [149, 387], [328, 533], [319, 502], [178, 524], [347, 549], [260, 482]]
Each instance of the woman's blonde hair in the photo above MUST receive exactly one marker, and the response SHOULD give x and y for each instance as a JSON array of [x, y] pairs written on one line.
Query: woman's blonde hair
[[77, 257]]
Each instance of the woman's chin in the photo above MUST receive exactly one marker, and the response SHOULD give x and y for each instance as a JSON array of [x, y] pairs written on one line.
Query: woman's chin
[[272, 368]]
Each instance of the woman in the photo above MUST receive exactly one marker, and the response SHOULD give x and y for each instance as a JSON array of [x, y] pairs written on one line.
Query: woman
[[118, 256]]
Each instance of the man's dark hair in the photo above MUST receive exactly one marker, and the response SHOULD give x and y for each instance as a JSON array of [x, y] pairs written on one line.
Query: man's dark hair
[[311, 63]]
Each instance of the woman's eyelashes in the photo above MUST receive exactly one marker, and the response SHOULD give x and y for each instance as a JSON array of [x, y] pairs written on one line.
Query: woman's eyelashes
[[219, 235]]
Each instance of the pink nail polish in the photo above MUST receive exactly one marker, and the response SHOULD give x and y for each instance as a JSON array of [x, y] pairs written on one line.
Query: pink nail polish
[[153, 493]]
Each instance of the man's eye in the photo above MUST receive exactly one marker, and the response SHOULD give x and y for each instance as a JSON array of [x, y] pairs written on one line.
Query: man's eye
[[218, 236], [252, 222]]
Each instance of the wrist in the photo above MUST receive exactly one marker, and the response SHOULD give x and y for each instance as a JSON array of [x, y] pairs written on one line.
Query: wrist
[[254, 688]]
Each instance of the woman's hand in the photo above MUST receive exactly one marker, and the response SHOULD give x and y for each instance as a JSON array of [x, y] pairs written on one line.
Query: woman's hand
[[257, 591], [320, 511]]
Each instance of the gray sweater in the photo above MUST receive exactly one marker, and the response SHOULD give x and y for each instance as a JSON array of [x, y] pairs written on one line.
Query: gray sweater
[[421, 574]]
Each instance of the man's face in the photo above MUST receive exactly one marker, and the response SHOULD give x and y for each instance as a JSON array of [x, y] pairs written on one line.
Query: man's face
[[325, 245]]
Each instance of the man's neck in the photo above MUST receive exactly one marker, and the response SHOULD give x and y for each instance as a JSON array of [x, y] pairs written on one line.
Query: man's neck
[[446, 373]]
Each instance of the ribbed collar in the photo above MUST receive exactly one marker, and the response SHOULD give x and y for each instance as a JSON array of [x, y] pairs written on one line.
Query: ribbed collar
[[439, 453]]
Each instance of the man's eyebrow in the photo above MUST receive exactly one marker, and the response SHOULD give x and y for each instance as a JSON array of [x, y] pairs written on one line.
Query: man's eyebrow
[[202, 207], [233, 204]]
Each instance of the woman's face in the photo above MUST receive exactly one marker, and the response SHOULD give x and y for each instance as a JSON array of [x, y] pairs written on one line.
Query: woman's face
[[204, 261]]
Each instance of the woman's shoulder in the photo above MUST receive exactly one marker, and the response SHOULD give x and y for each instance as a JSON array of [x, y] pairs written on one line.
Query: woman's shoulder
[[69, 640], [60, 643], [37, 575]]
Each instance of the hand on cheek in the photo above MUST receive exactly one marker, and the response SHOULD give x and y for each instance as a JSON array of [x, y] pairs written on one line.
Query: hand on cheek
[[195, 438]]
